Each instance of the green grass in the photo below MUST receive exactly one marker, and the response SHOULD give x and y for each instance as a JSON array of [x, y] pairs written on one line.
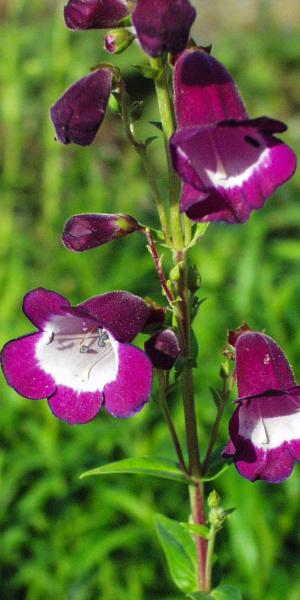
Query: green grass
[[85, 540]]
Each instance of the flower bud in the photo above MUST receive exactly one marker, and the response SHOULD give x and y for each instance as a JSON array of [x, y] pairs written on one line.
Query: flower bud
[[86, 231], [163, 349], [163, 25], [213, 499], [118, 40], [78, 114], [95, 14]]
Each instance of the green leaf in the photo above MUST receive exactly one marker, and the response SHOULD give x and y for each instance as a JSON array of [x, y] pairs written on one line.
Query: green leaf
[[226, 592], [157, 467], [197, 529], [150, 139], [180, 550], [200, 596], [218, 466]]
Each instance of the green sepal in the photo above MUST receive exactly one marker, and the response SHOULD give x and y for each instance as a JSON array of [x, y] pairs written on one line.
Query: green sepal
[[197, 529], [180, 551], [199, 596], [157, 124], [148, 72], [150, 139], [156, 467]]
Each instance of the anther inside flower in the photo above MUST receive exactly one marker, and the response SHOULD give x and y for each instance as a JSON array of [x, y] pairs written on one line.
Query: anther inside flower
[[230, 164], [80, 358], [265, 428]]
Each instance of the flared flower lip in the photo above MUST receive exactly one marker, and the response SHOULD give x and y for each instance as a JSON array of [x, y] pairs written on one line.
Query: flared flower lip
[[80, 357], [230, 164], [265, 427]]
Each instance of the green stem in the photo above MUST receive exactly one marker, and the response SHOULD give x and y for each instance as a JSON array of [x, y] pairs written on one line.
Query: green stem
[[141, 149], [209, 559], [198, 513], [169, 125], [167, 415]]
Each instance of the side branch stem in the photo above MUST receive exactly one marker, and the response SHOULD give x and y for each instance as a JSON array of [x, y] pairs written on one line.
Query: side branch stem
[[167, 415], [169, 125], [157, 261]]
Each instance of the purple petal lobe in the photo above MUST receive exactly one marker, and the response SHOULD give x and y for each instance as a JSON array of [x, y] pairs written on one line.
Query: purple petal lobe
[[205, 91], [86, 231], [75, 407], [22, 370], [163, 25], [94, 14], [78, 114], [121, 313], [237, 165], [40, 304], [163, 349], [261, 365], [132, 388]]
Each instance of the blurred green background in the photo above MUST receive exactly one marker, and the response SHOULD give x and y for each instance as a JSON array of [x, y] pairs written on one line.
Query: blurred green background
[[85, 540]]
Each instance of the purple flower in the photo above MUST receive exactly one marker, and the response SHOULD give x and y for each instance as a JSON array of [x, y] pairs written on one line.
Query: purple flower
[[80, 358], [163, 349], [265, 428], [78, 114], [230, 164], [95, 14], [163, 25], [83, 232]]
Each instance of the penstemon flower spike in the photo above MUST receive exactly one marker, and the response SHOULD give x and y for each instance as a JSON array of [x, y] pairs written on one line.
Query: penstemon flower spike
[[221, 166]]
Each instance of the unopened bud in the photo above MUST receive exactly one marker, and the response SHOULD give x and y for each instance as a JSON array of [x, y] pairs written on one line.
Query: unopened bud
[[163, 349], [118, 40], [86, 231], [213, 499]]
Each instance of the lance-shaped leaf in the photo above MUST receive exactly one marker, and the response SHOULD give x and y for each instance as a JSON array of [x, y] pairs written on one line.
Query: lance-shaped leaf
[[155, 467], [180, 550]]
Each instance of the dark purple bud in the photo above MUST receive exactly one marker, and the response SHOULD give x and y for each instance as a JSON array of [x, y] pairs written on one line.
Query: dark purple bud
[[83, 232], [95, 14], [156, 316], [118, 40], [163, 349], [163, 25], [78, 114]]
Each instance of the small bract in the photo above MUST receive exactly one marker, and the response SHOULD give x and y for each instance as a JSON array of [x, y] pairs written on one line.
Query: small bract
[[265, 428], [80, 358], [230, 164], [78, 114]]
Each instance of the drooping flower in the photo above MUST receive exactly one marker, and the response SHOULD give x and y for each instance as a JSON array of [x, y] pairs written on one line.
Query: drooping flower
[[163, 349], [95, 14], [80, 358], [163, 25], [230, 164], [78, 114], [265, 428], [86, 231]]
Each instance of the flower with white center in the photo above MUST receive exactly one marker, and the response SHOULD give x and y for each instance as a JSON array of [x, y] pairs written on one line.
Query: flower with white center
[[265, 428], [229, 164], [80, 358]]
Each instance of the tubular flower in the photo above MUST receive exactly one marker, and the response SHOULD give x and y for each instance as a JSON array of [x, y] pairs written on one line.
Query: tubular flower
[[163, 25], [80, 358], [78, 114], [163, 349], [86, 231], [265, 428], [95, 14], [230, 164]]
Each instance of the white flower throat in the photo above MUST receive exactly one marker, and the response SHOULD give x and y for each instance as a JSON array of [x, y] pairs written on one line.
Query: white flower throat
[[78, 353]]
